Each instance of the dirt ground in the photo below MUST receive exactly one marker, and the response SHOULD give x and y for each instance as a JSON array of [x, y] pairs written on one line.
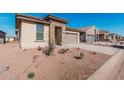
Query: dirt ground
[[15, 64]]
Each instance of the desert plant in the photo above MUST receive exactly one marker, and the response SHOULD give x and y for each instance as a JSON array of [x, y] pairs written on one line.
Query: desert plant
[[4, 69], [48, 50], [79, 55], [39, 48], [93, 53], [63, 51], [31, 75]]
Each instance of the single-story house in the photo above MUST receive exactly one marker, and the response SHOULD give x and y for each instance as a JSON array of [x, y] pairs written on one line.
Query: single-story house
[[33, 31], [103, 35], [9, 38], [89, 34], [113, 37], [2, 37]]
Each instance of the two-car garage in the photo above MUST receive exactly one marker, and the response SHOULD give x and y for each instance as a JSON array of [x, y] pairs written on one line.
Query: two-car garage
[[71, 37]]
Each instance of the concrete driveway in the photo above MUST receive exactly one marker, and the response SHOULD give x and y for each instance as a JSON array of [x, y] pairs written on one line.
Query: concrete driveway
[[99, 49]]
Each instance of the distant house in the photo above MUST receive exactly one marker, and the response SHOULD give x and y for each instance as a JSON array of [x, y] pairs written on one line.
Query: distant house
[[103, 35], [2, 37], [9, 38], [89, 34], [113, 37], [33, 32]]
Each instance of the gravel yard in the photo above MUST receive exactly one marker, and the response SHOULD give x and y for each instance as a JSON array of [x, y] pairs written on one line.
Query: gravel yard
[[16, 63]]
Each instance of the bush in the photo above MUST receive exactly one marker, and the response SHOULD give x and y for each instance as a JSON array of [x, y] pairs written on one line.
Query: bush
[[39, 48], [63, 51], [48, 50], [31, 75], [93, 53], [79, 56]]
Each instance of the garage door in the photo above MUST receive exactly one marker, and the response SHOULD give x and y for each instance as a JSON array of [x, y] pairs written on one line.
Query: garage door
[[71, 38], [1, 40]]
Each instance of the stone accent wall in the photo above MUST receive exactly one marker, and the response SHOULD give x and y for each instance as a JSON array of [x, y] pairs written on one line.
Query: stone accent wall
[[52, 30]]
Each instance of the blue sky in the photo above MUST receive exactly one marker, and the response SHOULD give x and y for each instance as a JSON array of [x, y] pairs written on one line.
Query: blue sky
[[111, 22]]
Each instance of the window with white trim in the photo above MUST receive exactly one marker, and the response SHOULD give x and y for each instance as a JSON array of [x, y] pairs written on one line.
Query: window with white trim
[[39, 32]]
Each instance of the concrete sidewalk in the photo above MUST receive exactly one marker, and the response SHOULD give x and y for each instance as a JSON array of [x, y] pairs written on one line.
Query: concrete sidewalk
[[99, 49], [112, 69]]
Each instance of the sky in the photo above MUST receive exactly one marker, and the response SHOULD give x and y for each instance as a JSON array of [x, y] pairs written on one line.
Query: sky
[[113, 22]]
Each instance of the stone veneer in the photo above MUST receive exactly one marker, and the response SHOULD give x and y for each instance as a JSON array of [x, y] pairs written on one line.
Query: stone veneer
[[52, 30]]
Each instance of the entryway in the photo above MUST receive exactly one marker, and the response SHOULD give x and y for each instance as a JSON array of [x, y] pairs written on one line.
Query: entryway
[[58, 36]]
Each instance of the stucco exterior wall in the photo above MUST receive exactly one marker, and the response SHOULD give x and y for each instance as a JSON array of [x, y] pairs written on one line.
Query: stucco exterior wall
[[91, 31], [28, 35]]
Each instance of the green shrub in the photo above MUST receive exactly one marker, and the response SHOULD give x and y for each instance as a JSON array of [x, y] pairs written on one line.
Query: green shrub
[[48, 50], [31, 75]]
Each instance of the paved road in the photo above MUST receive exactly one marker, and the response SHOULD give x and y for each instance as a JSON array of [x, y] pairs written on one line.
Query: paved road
[[100, 49]]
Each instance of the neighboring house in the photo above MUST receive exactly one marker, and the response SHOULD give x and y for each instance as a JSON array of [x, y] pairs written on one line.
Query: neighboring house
[[113, 37], [9, 38], [89, 34], [2, 37], [104, 35], [33, 32]]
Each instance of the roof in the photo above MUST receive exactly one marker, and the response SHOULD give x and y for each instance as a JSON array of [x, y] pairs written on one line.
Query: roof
[[83, 29], [55, 18], [2, 32], [103, 31], [31, 18], [72, 29]]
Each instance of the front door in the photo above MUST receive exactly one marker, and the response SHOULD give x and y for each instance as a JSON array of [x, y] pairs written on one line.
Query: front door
[[58, 36]]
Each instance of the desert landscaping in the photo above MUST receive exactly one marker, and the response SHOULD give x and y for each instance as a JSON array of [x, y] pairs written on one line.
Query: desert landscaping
[[63, 64]]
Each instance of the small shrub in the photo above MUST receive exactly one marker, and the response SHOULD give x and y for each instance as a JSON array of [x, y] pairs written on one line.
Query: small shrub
[[79, 56], [39, 48], [63, 51], [93, 53], [24, 50], [48, 50], [31, 75], [4, 69]]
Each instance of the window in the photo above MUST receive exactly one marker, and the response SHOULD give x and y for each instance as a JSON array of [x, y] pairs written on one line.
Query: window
[[39, 32]]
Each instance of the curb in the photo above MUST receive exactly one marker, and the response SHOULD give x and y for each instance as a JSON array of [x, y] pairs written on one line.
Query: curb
[[110, 69]]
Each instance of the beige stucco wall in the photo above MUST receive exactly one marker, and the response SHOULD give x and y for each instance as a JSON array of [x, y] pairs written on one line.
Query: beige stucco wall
[[91, 31], [28, 35]]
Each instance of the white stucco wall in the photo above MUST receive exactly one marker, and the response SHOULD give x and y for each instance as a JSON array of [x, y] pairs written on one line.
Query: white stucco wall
[[28, 35]]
